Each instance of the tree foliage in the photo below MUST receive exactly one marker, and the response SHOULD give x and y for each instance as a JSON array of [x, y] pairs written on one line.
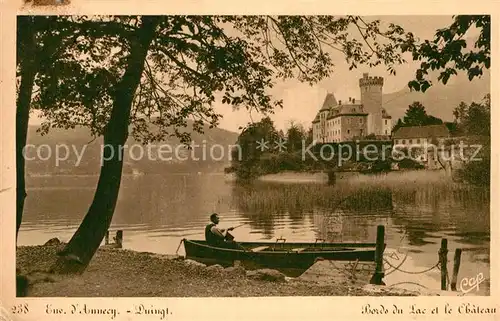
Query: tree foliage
[[264, 150], [398, 125], [256, 141], [448, 54], [296, 136], [474, 120], [38, 46], [193, 60], [416, 115], [478, 120]]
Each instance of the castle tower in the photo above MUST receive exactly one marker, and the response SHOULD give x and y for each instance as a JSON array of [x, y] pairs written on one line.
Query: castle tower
[[320, 130], [371, 99]]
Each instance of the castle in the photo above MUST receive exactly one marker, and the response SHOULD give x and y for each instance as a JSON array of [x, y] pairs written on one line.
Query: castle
[[354, 120]]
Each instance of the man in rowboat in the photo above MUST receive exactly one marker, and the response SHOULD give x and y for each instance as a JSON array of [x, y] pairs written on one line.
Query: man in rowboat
[[215, 236]]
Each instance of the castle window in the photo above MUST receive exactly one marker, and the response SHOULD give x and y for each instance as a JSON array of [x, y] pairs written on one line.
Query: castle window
[[361, 120], [354, 110], [348, 131], [404, 141], [418, 141], [411, 141], [386, 131], [386, 121]]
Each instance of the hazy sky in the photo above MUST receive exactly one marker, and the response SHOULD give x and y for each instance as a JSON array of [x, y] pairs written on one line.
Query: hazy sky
[[301, 101]]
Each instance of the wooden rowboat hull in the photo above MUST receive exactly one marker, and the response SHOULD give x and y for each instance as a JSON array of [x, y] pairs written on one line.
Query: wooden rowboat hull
[[291, 258]]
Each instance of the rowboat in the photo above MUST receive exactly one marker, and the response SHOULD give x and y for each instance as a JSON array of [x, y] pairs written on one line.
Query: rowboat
[[291, 258]]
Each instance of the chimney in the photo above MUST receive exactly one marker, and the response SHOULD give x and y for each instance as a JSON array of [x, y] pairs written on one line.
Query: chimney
[[340, 102]]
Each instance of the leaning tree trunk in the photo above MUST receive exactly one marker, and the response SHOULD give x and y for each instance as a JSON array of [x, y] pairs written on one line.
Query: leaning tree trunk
[[26, 43], [81, 248]]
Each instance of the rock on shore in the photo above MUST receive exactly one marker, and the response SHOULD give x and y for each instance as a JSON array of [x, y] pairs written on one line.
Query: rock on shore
[[266, 275]]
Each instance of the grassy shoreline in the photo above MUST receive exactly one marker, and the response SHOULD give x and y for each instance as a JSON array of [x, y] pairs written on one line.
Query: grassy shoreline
[[391, 177], [125, 273]]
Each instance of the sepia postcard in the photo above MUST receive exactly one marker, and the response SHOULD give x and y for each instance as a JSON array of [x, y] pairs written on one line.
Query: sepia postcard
[[299, 160]]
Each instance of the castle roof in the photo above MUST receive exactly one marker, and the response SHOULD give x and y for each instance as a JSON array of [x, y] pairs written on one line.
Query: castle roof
[[334, 108], [329, 102], [348, 109], [422, 131]]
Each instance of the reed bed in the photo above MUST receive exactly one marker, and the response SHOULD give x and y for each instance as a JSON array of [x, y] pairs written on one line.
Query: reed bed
[[358, 193], [402, 178], [273, 198]]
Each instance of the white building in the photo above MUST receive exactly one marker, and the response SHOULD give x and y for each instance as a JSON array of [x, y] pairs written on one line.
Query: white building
[[340, 122]]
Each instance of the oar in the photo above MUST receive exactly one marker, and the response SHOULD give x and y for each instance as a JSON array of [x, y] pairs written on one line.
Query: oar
[[239, 225], [203, 233]]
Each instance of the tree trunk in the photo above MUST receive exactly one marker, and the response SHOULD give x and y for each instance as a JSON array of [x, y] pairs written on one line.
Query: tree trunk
[[81, 248], [26, 43]]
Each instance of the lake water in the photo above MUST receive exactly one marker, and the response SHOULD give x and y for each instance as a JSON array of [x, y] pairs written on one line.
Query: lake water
[[157, 211]]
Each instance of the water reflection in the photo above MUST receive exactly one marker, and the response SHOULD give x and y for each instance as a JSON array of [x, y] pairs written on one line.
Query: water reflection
[[158, 210], [180, 201], [336, 213], [460, 212]]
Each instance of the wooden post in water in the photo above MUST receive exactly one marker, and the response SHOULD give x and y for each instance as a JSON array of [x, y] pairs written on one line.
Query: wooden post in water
[[456, 267], [119, 239], [106, 238], [443, 261], [378, 275], [331, 177]]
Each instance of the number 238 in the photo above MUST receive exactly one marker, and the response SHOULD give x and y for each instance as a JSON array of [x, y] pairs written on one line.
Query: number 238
[[20, 309]]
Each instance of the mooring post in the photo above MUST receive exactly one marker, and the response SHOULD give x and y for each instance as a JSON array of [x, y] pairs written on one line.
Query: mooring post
[[443, 261], [106, 238], [456, 267], [331, 177], [119, 238], [378, 275]]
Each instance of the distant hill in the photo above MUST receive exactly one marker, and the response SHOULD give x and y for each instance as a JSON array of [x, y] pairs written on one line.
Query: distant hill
[[155, 159], [439, 100]]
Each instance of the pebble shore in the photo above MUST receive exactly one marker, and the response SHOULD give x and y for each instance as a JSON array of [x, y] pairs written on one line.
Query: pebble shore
[[126, 273]]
